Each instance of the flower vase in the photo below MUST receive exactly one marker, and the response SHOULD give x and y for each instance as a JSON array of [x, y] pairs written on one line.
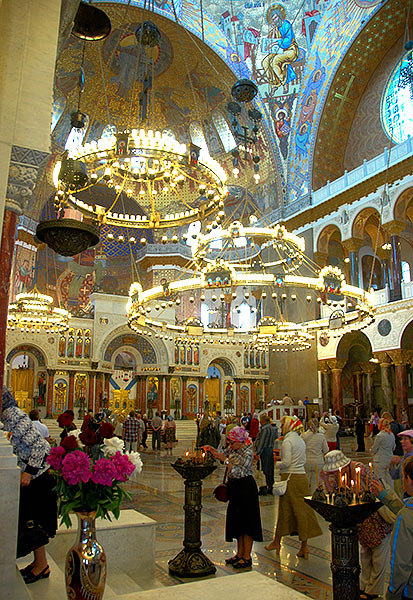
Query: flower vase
[[86, 562]]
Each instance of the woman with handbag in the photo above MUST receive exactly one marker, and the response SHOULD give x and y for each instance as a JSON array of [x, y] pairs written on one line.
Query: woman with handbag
[[295, 517], [374, 532], [38, 504], [243, 520]]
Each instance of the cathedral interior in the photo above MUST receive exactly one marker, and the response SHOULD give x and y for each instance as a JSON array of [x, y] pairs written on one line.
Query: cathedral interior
[[207, 205]]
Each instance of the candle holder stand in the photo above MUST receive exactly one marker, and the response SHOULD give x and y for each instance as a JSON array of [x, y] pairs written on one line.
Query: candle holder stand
[[191, 561], [344, 524]]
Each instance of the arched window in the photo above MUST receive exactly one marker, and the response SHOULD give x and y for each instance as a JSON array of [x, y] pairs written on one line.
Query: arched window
[[397, 102], [76, 136], [244, 316], [204, 315], [224, 131], [198, 137], [406, 272]]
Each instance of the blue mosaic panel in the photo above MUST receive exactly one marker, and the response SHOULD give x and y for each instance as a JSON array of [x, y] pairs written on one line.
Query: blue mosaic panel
[[140, 343], [225, 366], [340, 24]]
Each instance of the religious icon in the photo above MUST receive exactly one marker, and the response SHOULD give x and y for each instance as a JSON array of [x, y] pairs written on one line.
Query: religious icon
[[196, 355], [70, 347], [264, 360], [60, 388], [191, 395], [189, 355], [182, 354], [281, 46], [86, 351], [258, 360], [176, 354], [245, 398], [62, 346], [252, 360], [79, 347]]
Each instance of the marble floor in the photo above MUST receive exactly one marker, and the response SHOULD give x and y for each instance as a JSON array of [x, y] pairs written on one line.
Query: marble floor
[[159, 494]]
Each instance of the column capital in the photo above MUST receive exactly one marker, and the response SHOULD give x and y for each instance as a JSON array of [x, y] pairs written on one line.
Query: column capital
[[394, 227], [400, 356], [336, 365], [353, 244], [50, 372], [323, 366], [382, 357], [369, 368]]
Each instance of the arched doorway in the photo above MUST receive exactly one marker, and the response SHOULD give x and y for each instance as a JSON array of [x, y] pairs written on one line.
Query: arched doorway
[[220, 387], [27, 376]]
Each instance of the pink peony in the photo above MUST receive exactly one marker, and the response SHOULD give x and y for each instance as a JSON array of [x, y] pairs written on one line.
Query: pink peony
[[76, 467], [104, 472], [55, 457], [124, 467]]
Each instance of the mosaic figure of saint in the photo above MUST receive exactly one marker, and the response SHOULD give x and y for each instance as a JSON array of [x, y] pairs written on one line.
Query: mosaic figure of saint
[[281, 46]]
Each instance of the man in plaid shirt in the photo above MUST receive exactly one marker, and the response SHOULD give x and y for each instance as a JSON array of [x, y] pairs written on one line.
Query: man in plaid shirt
[[131, 432]]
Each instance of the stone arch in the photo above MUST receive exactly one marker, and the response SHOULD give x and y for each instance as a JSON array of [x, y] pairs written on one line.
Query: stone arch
[[328, 233], [135, 342], [366, 223], [406, 336], [403, 206], [354, 347], [225, 364], [127, 350], [30, 349]]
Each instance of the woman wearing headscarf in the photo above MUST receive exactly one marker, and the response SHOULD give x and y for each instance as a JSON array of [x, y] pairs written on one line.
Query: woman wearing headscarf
[[331, 427], [295, 517], [169, 431], [243, 520], [315, 448], [382, 450], [37, 507]]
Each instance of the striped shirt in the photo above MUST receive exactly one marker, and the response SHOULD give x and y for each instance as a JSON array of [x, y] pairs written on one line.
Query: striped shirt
[[242, 461]]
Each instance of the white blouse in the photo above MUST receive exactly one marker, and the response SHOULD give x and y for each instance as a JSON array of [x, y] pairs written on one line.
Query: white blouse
[[292, 454]]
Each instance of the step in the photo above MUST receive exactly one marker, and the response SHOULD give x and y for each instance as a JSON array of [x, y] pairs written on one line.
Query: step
[[123, 540]]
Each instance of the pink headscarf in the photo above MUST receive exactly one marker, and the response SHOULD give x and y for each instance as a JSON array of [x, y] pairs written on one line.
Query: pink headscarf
[[239, 434]]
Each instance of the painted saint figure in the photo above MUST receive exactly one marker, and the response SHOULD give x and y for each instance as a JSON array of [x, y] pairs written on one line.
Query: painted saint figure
[[282, 47]]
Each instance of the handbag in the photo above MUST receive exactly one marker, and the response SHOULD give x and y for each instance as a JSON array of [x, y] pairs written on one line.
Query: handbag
[[221, 491], [280, 487], [33, 536]]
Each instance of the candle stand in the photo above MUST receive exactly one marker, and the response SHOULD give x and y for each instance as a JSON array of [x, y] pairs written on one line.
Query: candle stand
[[191, 561], [344, 522]]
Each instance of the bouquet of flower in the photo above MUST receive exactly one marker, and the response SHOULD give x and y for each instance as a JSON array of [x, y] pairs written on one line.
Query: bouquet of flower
[[84, 485]]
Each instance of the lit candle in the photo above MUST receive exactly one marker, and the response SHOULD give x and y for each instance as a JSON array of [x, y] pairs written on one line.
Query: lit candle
[[358, 481], [339, 479], [353, 488], [371, 475]]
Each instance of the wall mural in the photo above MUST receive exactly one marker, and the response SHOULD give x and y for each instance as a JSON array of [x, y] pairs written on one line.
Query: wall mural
[[138, 342]]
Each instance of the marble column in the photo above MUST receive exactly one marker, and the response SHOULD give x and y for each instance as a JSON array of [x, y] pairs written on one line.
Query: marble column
[[386, 384], [324, 369], [394, 229], [159, 398], [98, 391], [369, 368], [168, 395], [107, 388], [358, 384], [90, 404], [50, 389], [253, 396], [201, 395], [184, 398], [6, 261], [400, 358], [336, 367], [353, 246], [237, 397], [71, 393]]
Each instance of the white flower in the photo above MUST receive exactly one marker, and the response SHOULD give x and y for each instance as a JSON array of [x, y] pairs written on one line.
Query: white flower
[[112, 445], [135, 459], [76, 433]]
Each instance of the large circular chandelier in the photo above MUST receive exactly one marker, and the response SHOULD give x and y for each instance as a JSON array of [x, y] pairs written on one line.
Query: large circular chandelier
[[351, 307], [35, 313], [172, 184]]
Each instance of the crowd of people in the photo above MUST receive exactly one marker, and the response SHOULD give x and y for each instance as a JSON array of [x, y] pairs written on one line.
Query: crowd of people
[[308, 456]]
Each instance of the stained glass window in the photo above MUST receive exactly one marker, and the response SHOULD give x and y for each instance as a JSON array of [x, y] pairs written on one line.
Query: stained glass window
[[397, 102], [224, 132]]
